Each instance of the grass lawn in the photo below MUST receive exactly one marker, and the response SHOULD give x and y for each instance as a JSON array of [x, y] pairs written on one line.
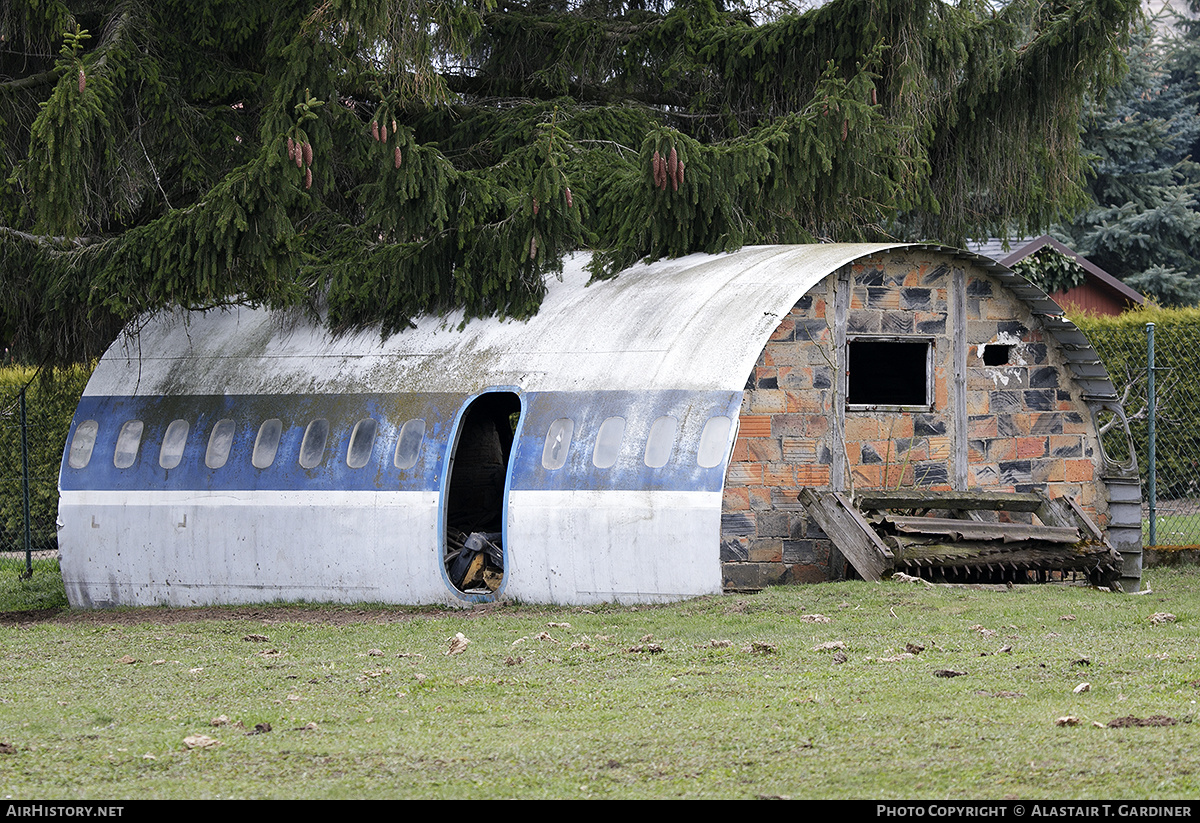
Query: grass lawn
[[846, 690], [1173, 530]]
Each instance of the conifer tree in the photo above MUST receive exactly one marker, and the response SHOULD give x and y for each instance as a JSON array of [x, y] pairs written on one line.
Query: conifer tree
[[1144, 222], [376, 159], [1183, 56]]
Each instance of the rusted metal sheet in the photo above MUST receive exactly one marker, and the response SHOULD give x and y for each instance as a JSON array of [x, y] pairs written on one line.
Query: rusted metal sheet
[[969, 558], [974, 530]]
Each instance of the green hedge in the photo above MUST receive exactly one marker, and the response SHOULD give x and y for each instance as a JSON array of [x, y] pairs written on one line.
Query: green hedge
[[1121, 343], [49, 406]]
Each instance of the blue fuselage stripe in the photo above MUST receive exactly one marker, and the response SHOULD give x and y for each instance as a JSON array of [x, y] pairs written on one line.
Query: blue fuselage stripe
[[586, 410]]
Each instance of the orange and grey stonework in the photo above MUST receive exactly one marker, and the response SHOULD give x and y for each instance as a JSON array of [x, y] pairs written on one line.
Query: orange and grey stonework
[[1015, 420]]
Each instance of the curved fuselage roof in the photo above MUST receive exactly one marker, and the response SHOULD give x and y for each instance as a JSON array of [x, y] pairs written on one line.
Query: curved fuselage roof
[[697, 322]]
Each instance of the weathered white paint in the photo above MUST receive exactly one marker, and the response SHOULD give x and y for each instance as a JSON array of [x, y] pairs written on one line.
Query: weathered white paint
[[626, 546], [380, 547], [198, 548]]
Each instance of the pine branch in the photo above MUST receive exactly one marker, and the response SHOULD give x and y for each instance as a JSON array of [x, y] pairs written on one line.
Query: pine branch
[[615, 31], [40, 80], [492, 88], [46, 241]]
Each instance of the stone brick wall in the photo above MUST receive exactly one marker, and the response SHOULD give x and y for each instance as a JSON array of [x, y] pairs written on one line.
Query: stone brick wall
[[1016, 426]]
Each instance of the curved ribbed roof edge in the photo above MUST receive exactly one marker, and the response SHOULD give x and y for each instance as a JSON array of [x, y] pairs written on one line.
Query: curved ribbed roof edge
[[696, 322]]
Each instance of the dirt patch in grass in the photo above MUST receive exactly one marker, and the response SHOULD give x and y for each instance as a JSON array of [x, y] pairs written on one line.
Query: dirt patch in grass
[[1156, 720]]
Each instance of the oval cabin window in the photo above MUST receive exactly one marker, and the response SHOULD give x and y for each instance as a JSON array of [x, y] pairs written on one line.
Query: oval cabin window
[[608, 442], [660, 442], [267, 443], [173, 442], [312, 447], [82, 444], [713, 441], [358, 453], [128, 441], [408, 449], [220, 441], [558, 442]]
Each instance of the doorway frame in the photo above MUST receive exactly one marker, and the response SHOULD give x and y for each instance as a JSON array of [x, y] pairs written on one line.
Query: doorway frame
[[444, 490]]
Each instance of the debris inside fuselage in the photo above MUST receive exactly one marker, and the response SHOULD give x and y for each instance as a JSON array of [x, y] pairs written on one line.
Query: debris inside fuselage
[[475, 561]]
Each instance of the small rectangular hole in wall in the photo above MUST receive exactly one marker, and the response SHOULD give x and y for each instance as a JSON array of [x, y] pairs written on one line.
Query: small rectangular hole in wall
[[996, 354], [889, 373]]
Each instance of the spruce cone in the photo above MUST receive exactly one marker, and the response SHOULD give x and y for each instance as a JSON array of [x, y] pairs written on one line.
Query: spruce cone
[[82, 81], [672, 164], [375, 130], [383, 134], [533, 244], [567, 192], [291, 144], [535, 207], [845, 128], [299, 158], [308, 155], [399, 157], [874, 98], [308, 178], [679, 175], [656, 167]]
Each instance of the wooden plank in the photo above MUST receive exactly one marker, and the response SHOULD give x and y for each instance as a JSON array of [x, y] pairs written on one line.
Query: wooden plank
[[852, 535], [960, 462], [921, 499], [1051, 512], [973, 530], [1064, 511], [1086, 524]]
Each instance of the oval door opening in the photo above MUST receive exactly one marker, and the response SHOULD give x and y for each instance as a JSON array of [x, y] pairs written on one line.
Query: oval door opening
[[475, 500]]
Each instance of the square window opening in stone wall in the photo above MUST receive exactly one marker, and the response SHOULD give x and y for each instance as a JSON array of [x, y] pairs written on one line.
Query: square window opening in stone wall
[[996, 354], [889, 372]]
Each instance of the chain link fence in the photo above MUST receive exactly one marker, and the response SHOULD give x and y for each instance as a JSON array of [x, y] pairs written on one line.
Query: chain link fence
[[35, 415], [1156, 369]]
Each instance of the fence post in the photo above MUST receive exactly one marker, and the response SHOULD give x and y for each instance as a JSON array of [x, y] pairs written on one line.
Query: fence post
[[1150, 412], [25, 486]]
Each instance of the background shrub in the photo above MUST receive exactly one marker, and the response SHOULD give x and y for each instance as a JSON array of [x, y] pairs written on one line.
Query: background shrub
[[1121, 343], [50, 402]]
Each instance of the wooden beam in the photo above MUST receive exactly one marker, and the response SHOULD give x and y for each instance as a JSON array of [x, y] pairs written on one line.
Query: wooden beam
[[1066, 512], [958, 384], [924, 499], [852, 535]]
